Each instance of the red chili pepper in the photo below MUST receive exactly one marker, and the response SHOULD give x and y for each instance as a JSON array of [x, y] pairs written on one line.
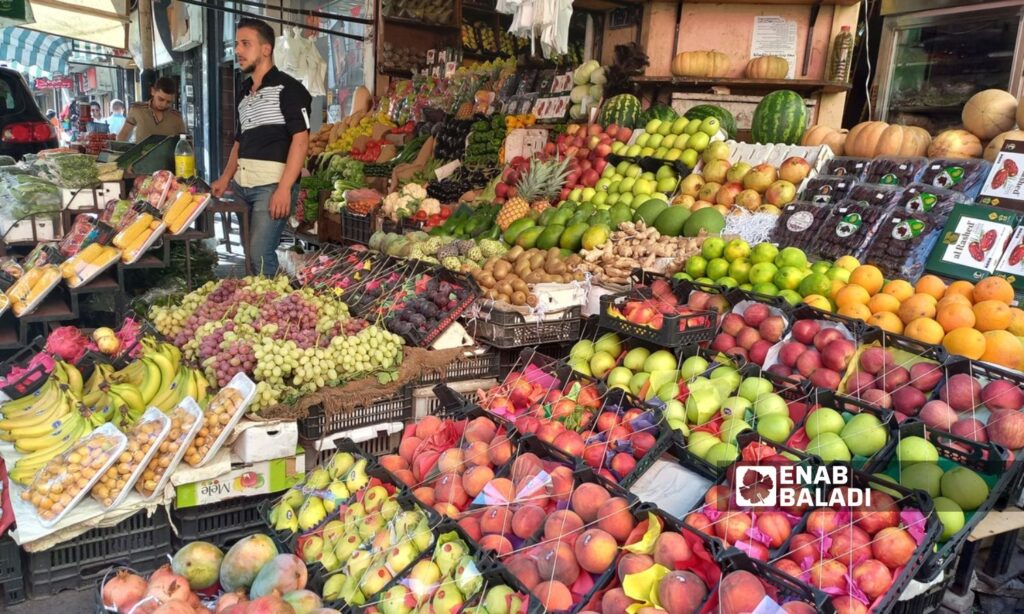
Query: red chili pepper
[[975, 250], [1010, 167], [988, 240], [1016, 255]]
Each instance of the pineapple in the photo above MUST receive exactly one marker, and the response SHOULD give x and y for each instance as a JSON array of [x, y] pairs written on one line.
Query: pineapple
[[537, 186]]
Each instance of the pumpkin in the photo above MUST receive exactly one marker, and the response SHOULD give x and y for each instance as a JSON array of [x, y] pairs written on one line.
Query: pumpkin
[[870, 139], [996, 145], [825, 135], [989, 113], [767, 67], [955, 144], [700, 64], [863, 139]]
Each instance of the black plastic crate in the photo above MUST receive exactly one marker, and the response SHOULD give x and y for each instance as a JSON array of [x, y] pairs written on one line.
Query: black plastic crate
[[850, 405], [509, 329], [139, 542], [858, 328], [23, 386], [398, 408], [481, 365], [384, 442], [12, 583], [675, 331], [12, 592], [356, 228], [929, 601], [222, 523], [785, 587], [984, 458]]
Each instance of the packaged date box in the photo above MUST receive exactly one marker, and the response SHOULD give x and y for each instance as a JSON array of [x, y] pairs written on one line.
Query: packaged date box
[[973, 242]]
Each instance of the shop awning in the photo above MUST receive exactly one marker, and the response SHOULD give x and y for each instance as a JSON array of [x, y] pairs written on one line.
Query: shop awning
[[104, 22], [28, 48]]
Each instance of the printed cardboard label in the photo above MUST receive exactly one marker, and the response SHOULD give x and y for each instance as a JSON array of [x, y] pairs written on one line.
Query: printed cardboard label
[[1011, 265], [973, 242], [1004, 186]]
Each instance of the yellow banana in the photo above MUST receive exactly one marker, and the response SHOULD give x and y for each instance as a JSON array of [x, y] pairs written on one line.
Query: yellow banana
[[26, 467], [172, 353], [130, 395], [151, 381], [93, 398], [101, 414], [202, 385], [131, 374], [43, 414], [46, 394], [167, 369], [46, 431], [168, 399], [191, 390], [75, 383], [66, 428], [59, 373]]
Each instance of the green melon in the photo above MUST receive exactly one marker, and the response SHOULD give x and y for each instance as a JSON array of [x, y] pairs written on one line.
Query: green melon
[[649, 211], [780, 117], [671, 221], [707, 219], [726, 119], [572, 238], [549, 238]]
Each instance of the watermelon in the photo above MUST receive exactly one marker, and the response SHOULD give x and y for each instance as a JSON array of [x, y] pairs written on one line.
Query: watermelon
[[780, 117], [623, 110], [702, 111], [659, 111]]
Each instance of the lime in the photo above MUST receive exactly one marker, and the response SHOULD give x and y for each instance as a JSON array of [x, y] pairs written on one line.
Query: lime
[[821, 266], [740, 270], [696, 266], [839, 273], [717, 267], [791, 256], [763, 252], [763, 272], [815, 283], [713, 247], [768, 289], [788, 278], [727, 282]]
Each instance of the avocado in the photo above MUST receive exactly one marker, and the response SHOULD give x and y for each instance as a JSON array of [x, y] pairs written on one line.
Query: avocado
[[516, 227]]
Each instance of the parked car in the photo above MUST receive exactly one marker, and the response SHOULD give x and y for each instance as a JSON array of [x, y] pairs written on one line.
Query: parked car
[[24, 129]]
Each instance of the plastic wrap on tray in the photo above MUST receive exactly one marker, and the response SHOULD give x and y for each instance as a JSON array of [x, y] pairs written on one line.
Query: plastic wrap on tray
[[221, 415], [921, 198], [842, 166], [903, 242], [895, 170], [143, 439], [848, 229], [825, 189], [799, 224], [875, 195], [186, 420], [963, 175]]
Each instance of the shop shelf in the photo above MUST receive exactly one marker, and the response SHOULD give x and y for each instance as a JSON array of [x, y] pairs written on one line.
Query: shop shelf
[[140, 542], [222, 523], [398, 408]]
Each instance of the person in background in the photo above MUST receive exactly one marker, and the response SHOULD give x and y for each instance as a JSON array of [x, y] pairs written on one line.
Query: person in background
[[116, 119], [155, 116], [96, 110], [51, 116], [271, 139]]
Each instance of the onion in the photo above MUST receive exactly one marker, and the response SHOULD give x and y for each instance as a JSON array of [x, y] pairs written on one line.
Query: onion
[[169, 587], [123, 591]]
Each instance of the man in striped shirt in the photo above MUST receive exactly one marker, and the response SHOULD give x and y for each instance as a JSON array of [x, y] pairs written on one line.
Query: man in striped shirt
[[271, 139]]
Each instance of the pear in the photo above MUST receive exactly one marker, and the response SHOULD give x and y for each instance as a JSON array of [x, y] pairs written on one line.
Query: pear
[[357, 477], [359, 562], [375, 579], [423, 578], [318, 479], [340, 464], [371, 525], [293, 498], [336, 493], [312, 513], [354, 514], [395, 600], [332, 532], [496, 600], [401, 556], [333, 585], [350, 591], [286, 521], [448, 555], [312, 549], [390, 509], [329, 561], [405, 522], [344, 548], [468, 578], [374, 497], [447, 599], [422, 537]]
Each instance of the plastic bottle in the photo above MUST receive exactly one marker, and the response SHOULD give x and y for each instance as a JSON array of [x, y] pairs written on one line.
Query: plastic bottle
[[184, 158], [842, 56]]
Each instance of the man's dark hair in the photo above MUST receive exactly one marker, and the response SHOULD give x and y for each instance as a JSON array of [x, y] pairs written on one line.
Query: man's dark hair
[[262, 29], [166, 85]]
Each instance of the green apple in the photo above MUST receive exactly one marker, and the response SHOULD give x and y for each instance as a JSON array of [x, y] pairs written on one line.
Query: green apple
[[682, 141], [696, 266], [667, 185], [576, 194], [679, 125], [692, 367], [753, 388], [717, 268], [633, 151], [788, 278], [722, 454], [636, 383], [673, 155], [619, 377], [648, 175], [609, 172], [951, 515], [599, 199], [731, 428], [770, 404], [665, 128], [652, 126], [700, 446], [665, 172], [729, 375], [821, 266], [583, 350], [864, 435], [775, 428], [643, 186], [829, 447], [728, 281], [647, 152], [634, 360], [764, 252], [661, 153], [603, 184], [601, 363], [736, 407], [609, 343], [634, 171], [710, 126], [717, 150], [662, 360], [580, 366], [669, 141], [689, 157], [675, 415], [692, 127], [665, 392], [739, 270], [655, 140], [699, 141], [643, 139], [713, 247], [588, 194], [622, 167], [617, 147], [626, 198], [824, 420]]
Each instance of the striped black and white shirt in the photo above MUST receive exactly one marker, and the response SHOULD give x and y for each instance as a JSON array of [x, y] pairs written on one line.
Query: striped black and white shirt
[[268, 118]]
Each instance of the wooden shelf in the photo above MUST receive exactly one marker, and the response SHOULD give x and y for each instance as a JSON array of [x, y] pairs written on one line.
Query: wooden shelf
[[777, 2], [604, 5], [418, 24], [800, 85], [9, 337]]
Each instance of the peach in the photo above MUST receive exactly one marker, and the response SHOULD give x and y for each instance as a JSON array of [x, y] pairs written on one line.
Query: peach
[[524, 568], [893, 546], [882, 513], [449, 490], [753, 548], [561, 483], [587, 499], [562, 522], [633, 563], [828, 574], [670, 549], [787, 566], [480, 429], [733, 323], [756, 313], [527, 520], [681, 592], [737, 352], [739, 592], [798, 607], [548, 431], [732, 527], [405, 477], [747, 337], [846, 604], [499, 451], [615, 600], [808, 363], [499, 544], [471, 525], [623, 464], [962, 392], [569, 442], [502, 488], [553, 596], [822, 521], [474, 480], [718, 497], [556, 561], [776, 526], [873, 577], [771, 328], [496, 519], [525, 466], [393, 462], [407, 449], [826, 336], [850, 545], [875, 360], [426, 495], [615, 517], [451, 460], [642, 442], [595, 550], [825, 378], [804, 546], [700, 522], [780, 369], [925, 376], [427, 426], [477, 454], [759, 351], [723, 342]]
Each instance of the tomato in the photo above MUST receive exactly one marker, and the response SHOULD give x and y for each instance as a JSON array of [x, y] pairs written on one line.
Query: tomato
[[445, 213], [434, 220], [420, 215]]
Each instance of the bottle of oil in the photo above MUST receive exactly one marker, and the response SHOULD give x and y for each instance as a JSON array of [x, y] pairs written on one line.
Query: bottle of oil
[[842, 56], [184, 158]]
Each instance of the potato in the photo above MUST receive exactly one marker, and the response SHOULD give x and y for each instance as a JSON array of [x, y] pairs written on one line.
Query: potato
[[513, 253], [502, 297], [520, 286], [519, 298], [537, 261], [486, 280], [505, 288], [501, 270]]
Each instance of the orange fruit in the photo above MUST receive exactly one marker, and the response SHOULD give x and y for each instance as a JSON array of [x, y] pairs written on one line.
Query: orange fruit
[[856, 311], [884, 302], [868, 277], [966, 342], [926, 330], [899, 288], [992, 315], [889, 322], [917, 306], [993, 289], [852, 294], [1016, 321], [837, 285], [953, 315], [1002, 348], [954, 299], [930, 284], [961, 288]]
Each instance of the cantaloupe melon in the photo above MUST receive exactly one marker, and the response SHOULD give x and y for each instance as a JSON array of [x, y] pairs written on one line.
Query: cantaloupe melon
[[996, 144], [990, 112], [955, 144]]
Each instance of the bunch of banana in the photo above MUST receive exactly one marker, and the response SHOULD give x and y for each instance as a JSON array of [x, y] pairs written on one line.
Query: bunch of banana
[[166, 382], [69, 375], [42, 425]]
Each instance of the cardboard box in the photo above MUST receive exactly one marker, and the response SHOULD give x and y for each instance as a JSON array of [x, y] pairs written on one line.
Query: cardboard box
[[91, 199], [1004, 186], [973, 242], [1011, 265], [244, 480], [261, 442]]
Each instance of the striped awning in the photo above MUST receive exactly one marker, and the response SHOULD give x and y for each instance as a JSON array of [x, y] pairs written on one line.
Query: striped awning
[[30, 48]]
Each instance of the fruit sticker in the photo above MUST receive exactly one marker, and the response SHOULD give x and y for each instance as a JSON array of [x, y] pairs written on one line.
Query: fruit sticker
[[949, 177], [922, 203], [908, 230], [850, 224], [800, 221]]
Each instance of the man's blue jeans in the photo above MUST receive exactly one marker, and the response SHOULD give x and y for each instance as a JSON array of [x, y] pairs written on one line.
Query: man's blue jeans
[[264, 231]]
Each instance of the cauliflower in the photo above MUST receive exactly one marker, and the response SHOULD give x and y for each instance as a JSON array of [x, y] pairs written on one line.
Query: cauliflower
[[431, 206], [414, 191]]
